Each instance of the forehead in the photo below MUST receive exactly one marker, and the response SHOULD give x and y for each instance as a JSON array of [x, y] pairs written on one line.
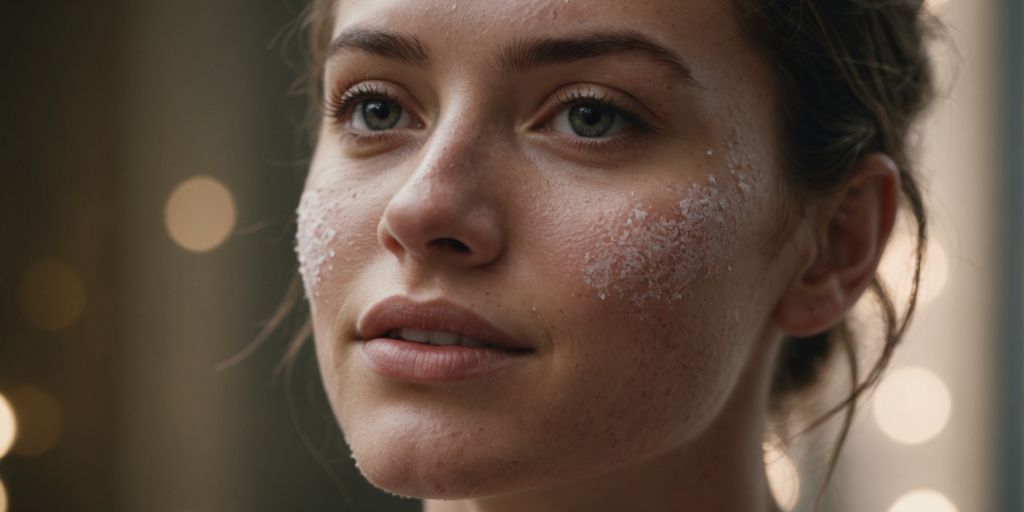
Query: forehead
[[702, 31]]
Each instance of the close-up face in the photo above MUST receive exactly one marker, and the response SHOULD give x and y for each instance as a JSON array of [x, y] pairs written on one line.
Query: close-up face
[[591, 190], [514, 256]]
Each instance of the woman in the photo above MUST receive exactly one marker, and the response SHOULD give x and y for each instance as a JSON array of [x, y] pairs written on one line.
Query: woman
[[567, 255]]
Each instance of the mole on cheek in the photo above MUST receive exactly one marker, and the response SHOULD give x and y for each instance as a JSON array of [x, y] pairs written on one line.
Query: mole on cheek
[[655, 255]]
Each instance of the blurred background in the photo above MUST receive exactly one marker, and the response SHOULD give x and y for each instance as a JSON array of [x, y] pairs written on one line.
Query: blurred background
[[153, 158]]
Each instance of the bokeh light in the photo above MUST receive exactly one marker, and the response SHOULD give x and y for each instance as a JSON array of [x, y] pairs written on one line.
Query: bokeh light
[[912, 405], [51, 295], [897, 268], [8, 426], [783, 477], [923, 500], [40, 421], [200, 214], [3, 497]]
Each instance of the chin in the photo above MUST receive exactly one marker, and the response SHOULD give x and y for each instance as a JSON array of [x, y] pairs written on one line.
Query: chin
[[449, 461], [432, 476]]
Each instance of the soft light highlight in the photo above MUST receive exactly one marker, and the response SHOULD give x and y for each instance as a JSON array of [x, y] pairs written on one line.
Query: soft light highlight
[[923, 500], [896, 268], [783, 477], [200, 214], [8, 426], [912, 405]]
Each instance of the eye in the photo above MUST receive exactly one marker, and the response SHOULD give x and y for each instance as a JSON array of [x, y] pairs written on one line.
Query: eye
[[379, 114], [591, 120], [369, 107], [592, 114]]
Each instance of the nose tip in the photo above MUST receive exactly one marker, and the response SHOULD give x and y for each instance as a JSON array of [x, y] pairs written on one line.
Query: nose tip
[[440, 230]]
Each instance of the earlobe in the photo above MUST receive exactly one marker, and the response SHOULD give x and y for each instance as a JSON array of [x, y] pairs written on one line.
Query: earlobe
[[850, 231]]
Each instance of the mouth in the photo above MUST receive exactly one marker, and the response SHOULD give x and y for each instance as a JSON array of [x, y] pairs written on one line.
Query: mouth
[[438, 323], [435, 341], [436, 338]]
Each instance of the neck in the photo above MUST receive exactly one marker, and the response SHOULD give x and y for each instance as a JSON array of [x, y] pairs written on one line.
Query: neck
[[723, 469]]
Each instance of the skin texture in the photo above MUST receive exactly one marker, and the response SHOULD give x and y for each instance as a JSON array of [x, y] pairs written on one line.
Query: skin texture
[[645, 271]]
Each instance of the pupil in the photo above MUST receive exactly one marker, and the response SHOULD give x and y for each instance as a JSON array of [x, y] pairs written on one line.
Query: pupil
[[381, 115], [590, 115], [590, 120]]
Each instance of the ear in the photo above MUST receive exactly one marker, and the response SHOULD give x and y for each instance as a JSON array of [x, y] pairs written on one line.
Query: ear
[[850, 229]]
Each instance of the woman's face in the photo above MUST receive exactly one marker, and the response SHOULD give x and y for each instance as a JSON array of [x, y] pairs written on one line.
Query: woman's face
[[595, 180]]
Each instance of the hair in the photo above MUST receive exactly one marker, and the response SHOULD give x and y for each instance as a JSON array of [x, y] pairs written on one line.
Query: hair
[[852, 77]]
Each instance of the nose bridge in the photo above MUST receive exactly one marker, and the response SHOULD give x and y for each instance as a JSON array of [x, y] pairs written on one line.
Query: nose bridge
[[450, 173], [444, 212], [456, 143]]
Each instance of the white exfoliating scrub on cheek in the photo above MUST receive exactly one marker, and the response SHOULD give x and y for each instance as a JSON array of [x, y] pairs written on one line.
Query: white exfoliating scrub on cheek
[[316, 238], [655, 255], [740, 167]]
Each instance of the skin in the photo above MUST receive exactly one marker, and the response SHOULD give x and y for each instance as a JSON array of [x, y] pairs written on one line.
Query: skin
[[632, 399]]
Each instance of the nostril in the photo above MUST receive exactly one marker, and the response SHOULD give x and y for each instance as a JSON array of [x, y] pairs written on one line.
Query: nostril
[[451, 244]]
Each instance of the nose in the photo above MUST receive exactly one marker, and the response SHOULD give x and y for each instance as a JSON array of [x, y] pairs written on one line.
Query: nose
[[444, 213]]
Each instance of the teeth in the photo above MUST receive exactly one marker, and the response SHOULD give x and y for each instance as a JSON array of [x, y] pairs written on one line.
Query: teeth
[[439, 338], [414, 335], [470, 342], [443, 338]]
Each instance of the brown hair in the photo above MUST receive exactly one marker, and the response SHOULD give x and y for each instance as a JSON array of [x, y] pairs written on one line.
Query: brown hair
[[853, 75]]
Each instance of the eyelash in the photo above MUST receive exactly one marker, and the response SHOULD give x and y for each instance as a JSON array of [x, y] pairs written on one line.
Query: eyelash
[[637, 126], [340, 105]]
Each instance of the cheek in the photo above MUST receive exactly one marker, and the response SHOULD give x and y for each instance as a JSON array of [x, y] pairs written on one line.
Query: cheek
[[336, 228], [316, 238], [335, 245], [654, 254], [647, 324]]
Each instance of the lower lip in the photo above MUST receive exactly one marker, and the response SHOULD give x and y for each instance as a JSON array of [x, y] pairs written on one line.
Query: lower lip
[[420, 362]]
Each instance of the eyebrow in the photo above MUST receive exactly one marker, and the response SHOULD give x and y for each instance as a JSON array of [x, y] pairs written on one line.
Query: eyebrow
[[404, 48], [521, 56], [531, 54]]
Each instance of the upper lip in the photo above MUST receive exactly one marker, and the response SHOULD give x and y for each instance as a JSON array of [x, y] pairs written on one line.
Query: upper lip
[[435, 315]]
